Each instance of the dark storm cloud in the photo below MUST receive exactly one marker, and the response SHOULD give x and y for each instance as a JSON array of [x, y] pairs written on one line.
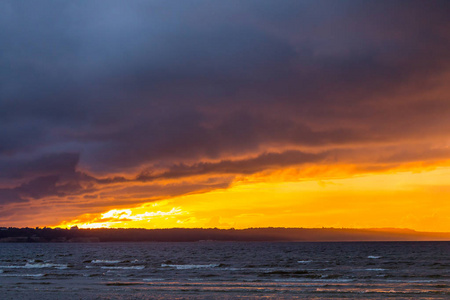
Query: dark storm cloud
[[45, 186], [242, 166], [59, 163], [65, 181], [106, 88], [40, 177], [8, 196]]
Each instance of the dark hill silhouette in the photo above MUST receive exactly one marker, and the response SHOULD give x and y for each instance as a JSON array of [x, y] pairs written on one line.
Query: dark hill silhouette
[[213, 234]]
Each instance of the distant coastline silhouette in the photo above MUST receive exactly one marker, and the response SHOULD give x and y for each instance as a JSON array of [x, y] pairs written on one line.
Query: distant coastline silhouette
[[74, 234]]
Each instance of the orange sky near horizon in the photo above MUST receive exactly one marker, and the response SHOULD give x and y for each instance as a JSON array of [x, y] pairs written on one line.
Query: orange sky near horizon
[[414, 197]]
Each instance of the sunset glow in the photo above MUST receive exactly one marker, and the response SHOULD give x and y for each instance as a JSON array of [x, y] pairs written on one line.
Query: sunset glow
[[402, 199], [161, 114]]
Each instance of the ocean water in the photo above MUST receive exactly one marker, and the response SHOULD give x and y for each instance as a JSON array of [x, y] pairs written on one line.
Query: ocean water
[[225, 270]]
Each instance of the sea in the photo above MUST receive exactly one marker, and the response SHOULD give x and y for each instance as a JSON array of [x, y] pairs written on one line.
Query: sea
[[225, 270]]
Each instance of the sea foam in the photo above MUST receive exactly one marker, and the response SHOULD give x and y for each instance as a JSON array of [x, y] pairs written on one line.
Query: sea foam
[[304, 261], [22, 275], [36, 266], [187, 267], [100, 261], [124, 268]]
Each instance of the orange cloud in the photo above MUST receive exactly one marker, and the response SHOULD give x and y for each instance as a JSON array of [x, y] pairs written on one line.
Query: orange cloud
[[404, 198]]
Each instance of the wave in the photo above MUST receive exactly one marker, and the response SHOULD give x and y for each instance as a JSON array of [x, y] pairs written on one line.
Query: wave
[[122, 283], [45, 265], [187, 267], [324, 281], [22, 275], [375, 269], [130, 261], [286, 273], [413, 281], [373, 256], [304, 261], [124, 268], [100, 261], [37, 266]]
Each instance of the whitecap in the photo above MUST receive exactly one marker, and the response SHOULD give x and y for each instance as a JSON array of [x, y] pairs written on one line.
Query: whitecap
[[36, 266], [61, 267], [125, 268], [22, 275], [373, 256], [11, 267], [34, 275], [186, 267], [304, 261], [100, 261], [45, 265]]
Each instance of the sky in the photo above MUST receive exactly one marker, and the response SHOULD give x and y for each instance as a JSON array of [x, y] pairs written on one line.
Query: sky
[[159, 114]]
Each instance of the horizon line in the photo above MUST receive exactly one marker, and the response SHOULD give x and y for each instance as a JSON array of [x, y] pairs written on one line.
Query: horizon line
[[388, 229]]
